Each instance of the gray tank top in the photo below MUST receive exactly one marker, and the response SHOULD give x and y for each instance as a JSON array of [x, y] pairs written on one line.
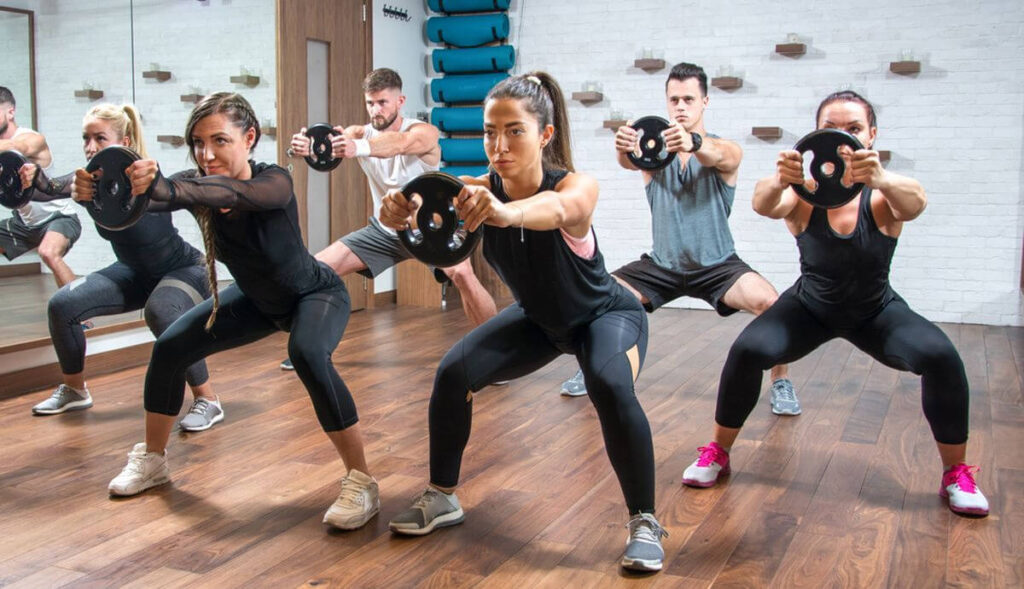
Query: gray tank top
[[690, 216]]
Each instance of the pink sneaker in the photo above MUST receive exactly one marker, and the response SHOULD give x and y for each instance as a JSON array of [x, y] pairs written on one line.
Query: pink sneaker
[[712, 462], [963, 493]]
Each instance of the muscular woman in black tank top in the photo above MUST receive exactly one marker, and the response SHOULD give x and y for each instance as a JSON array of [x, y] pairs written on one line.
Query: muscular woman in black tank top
[[540, 241], [844, 291]]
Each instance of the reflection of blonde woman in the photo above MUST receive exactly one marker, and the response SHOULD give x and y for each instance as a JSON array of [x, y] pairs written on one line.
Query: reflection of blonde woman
[[155, 271]]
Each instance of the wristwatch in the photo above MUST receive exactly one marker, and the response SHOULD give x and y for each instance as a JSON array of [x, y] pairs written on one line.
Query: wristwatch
[[697, 142]]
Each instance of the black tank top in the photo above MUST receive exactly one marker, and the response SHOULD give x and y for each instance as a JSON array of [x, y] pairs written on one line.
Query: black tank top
[[556, 288], [844, 279]]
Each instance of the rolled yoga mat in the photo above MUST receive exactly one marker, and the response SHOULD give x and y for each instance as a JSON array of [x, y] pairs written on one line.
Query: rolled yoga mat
[[480, 59], [450, 120], [474, 171], [468, 31], [463, 150], [451, 6], [464, 88]]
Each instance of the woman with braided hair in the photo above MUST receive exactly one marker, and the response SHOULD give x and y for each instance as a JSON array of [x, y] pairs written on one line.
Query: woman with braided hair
[[249, 218]]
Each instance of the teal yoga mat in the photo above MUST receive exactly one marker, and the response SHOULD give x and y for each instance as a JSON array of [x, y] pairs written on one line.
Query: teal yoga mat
[[474, 171], [450, 120], [468, 31], [451, 6], [463, 88], [463, 150], [480, 59]]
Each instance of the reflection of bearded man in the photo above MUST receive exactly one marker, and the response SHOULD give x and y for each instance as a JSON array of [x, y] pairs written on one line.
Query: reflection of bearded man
[[379, 123]]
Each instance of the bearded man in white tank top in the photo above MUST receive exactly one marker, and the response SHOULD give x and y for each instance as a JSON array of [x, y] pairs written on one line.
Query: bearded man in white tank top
[[53, 226], [391, 150]]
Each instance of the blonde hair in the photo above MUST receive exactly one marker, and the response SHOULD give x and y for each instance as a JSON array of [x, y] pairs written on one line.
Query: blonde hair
[[124, 120], [238, 110]]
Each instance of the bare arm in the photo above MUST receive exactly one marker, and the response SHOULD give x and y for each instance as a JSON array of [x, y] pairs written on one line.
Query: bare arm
[[419, 140], [31, 145], [569, 206], [721, 154], [904, 195], [773, 197]]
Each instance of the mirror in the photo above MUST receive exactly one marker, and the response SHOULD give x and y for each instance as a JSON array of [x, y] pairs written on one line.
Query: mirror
[[110, 46]]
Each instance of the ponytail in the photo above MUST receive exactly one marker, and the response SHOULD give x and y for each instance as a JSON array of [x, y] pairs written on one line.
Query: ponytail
[[124, 120], [542, 97]]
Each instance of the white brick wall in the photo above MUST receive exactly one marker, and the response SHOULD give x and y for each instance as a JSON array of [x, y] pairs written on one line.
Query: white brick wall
[[202, 44], [957, 126]]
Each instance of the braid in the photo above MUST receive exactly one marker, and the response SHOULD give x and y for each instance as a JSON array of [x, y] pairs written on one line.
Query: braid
[[204, 217]]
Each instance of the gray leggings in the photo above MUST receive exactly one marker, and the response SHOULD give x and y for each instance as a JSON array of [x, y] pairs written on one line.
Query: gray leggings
[[118, 289]]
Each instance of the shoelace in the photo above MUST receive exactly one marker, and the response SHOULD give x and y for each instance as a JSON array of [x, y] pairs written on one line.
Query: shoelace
[[708, 454], [351, 492], [199, 406], [785, 393], [425, 498], [61, 392], [136, 463], [963, 475], [644, 527]]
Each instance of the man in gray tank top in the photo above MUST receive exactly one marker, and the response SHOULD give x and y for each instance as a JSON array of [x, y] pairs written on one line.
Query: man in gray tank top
[[690, 202]]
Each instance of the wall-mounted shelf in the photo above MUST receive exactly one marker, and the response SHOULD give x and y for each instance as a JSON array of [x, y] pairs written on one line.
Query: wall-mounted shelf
[[89, 93], [905, 68], [269, 131], [791, 49], [175, 140], [193, 98], [727, 82], [158, 75], [614, 124], [884, 155], [649, 65], [246, 79], [767, 133], [588, 98]]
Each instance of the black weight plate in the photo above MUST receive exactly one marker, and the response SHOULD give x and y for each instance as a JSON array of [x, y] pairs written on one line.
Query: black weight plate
[[320, 156], [824, 144], [11, 194], [440, 238], [653, 155], [113, 207]]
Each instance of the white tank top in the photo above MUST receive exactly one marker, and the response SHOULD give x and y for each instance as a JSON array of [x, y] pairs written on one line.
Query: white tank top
[[37, 213], [389, 173]]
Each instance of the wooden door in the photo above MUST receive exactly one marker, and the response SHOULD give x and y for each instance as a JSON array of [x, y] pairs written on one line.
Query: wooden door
[[344, 27]]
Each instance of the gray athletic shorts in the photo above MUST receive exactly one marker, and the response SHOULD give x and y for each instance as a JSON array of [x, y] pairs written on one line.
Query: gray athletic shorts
[[17, 238], [377, 248], [661, 285]]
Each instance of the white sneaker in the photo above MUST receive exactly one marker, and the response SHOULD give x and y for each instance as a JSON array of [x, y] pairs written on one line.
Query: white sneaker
[[144, 470], [358, 501]]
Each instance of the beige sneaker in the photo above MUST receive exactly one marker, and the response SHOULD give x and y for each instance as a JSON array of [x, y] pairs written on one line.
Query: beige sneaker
[[144, 470], [358, 501]]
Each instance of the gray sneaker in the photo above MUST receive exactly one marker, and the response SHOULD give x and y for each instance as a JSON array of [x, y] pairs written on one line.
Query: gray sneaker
[[202, 415], [784, 401], [643, 547], [64, 399], [286, 364], [574, 387], [432, 509]]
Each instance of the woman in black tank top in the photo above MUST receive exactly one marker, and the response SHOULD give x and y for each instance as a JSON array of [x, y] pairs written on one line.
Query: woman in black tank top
[[540, 241], [844, 291]]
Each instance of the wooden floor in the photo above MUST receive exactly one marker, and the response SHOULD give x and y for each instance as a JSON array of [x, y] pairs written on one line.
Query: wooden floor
[[841, 496]]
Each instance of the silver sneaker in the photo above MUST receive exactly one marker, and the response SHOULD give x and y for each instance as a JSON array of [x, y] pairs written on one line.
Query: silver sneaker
[[784, 401], [64, 399], [202, 415], [358, 501], [643, 546], [432, 509], [286, 364], [574, 387], [144, 470]]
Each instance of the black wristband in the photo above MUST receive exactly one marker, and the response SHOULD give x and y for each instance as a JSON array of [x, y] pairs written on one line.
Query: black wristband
[[697, 142]]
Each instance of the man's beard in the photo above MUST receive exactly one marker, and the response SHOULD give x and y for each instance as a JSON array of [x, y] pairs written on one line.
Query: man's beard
[[385, 124]]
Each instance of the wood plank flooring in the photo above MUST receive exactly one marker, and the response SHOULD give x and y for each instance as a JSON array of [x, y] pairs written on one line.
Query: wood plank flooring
[[841, 496]]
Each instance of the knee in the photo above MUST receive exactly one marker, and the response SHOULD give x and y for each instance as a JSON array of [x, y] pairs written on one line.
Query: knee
[[51, 253], [159, 315], [307, 356], [943, 358], [763, 302], [59, 307], [751, 351], [460, 274]]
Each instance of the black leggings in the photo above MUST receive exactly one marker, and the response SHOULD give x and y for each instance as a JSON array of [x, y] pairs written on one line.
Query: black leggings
[[510, 345], [896, 337], [117, 289], [316, 326]]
